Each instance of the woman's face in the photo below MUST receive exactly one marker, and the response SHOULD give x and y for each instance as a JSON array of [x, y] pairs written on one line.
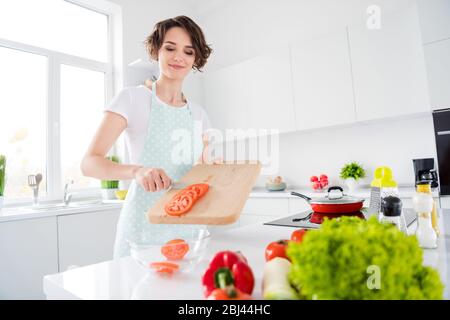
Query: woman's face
[[176, 56]]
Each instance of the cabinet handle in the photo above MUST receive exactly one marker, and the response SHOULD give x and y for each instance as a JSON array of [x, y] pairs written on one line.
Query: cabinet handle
[[443, 133]]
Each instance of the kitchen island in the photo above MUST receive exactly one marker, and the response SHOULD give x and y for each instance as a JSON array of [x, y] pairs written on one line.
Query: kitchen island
[[125, 279]]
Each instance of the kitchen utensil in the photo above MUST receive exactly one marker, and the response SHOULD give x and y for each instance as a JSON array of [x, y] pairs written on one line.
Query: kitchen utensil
[[383, 185], [145, 252], [333, 202], [32, 183], [222, 204], [391, 211]]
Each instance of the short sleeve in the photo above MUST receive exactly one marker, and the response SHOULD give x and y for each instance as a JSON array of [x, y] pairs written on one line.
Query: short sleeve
[[120, 104]]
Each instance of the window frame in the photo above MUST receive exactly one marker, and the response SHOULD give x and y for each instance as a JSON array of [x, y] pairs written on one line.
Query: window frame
[[55, 184]]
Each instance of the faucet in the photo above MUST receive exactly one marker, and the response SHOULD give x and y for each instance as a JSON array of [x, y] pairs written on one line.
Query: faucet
[[67, 196]]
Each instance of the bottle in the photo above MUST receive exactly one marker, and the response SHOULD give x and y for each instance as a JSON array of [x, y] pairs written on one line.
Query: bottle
[[423, 206], [392, 212], [425, 186]]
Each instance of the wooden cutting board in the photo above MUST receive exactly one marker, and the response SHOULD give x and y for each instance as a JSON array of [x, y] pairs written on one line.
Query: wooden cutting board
[[230, 185]]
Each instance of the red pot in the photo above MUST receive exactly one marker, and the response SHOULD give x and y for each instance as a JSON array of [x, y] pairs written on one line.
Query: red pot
[[333, 202]]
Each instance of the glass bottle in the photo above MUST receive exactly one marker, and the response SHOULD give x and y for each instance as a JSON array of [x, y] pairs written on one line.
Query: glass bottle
[[392, 212], [425, 186], [423, 206]]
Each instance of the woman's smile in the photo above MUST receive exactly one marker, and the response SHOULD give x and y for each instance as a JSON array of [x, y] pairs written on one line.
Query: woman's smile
[[176, 67]]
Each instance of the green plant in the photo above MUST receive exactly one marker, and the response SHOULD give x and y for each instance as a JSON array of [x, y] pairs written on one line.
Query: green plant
[[111, 184], [352, 170], [2, 174], [339, 260]]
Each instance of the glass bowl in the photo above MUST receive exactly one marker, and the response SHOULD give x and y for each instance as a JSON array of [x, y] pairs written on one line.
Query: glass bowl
[[171, 255]]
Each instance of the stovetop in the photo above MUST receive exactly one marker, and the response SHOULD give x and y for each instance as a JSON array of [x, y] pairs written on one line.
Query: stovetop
[[306, 219]]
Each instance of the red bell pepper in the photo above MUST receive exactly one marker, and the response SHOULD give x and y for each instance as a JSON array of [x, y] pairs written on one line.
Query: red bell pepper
[[231, 267], [227, 291]]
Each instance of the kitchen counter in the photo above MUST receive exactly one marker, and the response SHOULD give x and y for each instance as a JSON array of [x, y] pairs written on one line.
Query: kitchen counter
[[125, 279], [19, 213], [261, 192]]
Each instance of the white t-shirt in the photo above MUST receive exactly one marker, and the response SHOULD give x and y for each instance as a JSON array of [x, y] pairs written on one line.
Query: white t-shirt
[[134, 103]]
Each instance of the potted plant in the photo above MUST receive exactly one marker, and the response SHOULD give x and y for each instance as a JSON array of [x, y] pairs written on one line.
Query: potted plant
[[352, 173], [2, 178], [109, 187]]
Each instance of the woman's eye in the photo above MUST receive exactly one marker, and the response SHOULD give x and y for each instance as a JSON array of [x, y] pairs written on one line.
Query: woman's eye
[[189, 53]]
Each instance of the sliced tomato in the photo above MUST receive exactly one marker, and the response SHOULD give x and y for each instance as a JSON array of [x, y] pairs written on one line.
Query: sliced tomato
[[199, 188], [175, 249], [180, 205], [164, 267]]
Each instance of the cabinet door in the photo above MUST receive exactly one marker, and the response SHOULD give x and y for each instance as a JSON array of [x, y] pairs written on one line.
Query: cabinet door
[[389, 68], [28, 252], [225, 98], [267, 81], [86, 238], [434, 19], [437, 57], [322, 82]]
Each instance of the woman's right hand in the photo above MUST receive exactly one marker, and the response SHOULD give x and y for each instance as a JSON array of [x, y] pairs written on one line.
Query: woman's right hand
[[152, 179]]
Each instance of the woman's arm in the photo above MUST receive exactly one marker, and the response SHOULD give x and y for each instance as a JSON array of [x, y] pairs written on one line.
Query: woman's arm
[[94, 163]]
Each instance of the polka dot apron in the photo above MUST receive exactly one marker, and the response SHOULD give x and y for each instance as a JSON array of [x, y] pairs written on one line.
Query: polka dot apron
[[172, 145]]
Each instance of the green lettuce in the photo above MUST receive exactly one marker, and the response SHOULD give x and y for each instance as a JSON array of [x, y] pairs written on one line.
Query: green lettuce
[[352, 258]]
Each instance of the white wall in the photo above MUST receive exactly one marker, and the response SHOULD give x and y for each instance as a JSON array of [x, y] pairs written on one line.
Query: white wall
[[239, 30]]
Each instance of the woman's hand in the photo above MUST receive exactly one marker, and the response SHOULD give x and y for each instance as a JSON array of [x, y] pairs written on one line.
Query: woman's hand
[[152, 179]]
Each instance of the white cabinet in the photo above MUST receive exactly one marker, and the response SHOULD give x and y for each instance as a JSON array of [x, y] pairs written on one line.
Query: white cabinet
[[389, 68], [28, 251], [437, 57], [434, 19], [86, 238], [267, 82], [225, 97], [322, 81]]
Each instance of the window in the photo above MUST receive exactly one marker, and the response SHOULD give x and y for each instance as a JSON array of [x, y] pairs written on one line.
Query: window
[[23, 119], [56, 25], [55, 76], [82, 93]]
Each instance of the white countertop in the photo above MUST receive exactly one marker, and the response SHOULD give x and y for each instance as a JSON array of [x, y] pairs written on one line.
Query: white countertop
[[19, 213], [261, 192], [125, 279]]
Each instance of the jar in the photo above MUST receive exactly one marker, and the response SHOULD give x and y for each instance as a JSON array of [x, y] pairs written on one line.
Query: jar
[[392, 212], [423, 206]]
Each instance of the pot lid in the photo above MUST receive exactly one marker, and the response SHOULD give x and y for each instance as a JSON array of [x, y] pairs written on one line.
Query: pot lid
[[336, 196]]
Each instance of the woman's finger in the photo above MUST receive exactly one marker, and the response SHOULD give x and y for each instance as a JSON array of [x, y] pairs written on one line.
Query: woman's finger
[[165, 179], [144, 185], [159, 183]]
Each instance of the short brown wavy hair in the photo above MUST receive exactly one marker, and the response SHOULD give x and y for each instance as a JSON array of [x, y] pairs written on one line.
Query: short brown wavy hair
[[155, 40]]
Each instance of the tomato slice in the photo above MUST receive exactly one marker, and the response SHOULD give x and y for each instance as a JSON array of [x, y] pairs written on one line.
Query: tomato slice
[[199, 188], [180, 205], [164, 267], [175, 249]]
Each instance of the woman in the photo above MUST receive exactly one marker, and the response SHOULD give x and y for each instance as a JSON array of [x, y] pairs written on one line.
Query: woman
[[152, 118]]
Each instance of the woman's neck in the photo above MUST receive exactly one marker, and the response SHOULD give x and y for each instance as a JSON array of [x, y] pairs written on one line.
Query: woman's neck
[[169, 91]]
